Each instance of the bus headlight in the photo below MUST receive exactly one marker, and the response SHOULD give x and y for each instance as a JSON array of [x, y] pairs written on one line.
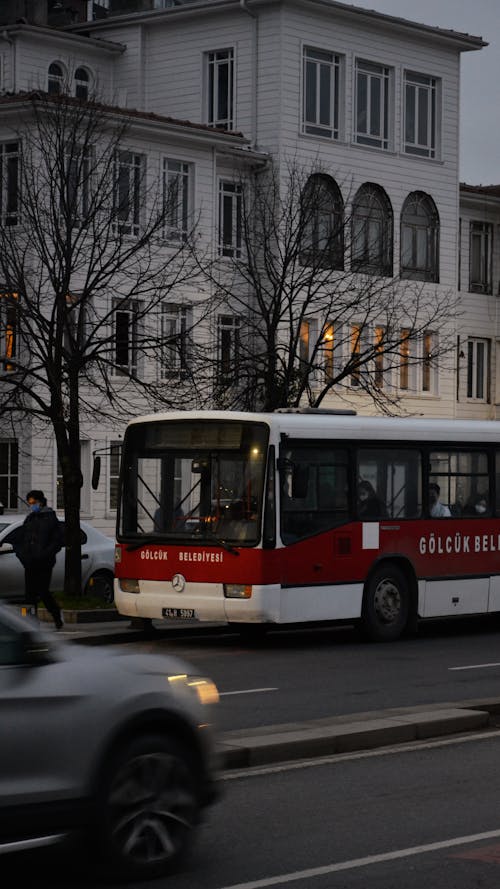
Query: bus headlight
[[238, 590], [129, 585]]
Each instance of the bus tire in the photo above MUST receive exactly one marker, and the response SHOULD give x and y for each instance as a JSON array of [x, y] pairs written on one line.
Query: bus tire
[[386, 604]]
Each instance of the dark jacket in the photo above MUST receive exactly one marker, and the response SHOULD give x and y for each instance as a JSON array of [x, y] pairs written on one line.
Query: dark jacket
[[39, 538]]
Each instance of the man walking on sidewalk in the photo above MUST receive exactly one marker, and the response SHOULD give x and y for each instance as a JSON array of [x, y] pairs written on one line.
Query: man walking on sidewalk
[[36, 545]]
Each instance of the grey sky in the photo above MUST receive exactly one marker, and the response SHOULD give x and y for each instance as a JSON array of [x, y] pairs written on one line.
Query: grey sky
[[480, 93]]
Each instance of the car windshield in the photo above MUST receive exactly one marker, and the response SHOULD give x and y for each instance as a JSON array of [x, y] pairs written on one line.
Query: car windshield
[[193, 480]]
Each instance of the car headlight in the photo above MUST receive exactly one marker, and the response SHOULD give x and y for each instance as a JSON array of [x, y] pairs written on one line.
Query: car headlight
[[205, 690]]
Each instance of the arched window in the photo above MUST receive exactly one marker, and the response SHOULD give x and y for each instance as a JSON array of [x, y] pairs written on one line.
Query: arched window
[[372, 231], [82, 82], [55, 79], [322, 222], [419, 238]]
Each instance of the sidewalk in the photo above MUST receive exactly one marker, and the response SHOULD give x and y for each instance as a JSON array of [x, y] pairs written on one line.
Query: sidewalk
[[321, 737]]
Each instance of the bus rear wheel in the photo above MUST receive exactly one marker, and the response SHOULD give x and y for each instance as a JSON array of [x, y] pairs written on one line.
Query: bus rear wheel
[[386, 604]]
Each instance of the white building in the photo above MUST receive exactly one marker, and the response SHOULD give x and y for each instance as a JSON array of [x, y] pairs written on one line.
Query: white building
[[370, 100]]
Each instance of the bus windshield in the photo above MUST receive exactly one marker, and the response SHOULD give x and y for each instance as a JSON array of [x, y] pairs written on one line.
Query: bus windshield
[[193, 480]]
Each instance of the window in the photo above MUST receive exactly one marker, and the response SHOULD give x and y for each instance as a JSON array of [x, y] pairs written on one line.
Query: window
[[115, 448], [462, 477], [9, 182], [82, 83], [174, 333], [328, 345], [320, 102], [372, 105], [380, 368], [230, 219], [315, 486], [404, 360], [55, 79], [220, 89], [76, 189], [429, 363], [322, 223], [176, 197], [481, 244], [355, 354], [393, 480], [478, 369], [129, 177], [9, 474], [304, 344], [125, 337], [372, 231], [419, 238], [8, 330], [228, 343], [420, 114]]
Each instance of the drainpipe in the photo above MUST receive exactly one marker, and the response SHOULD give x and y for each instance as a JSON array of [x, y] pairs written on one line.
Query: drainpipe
[[8, 39], [255, 57]]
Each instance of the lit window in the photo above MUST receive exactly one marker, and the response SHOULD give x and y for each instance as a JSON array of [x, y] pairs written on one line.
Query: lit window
[[8, 330]]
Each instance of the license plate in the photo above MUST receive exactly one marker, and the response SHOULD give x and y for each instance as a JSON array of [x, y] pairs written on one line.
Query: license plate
[[179, 613]]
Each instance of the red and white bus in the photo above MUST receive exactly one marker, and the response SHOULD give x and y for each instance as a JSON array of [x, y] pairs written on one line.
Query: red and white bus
[[308, 515]]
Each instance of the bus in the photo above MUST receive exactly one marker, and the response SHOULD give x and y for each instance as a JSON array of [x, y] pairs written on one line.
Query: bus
[[307, 516]]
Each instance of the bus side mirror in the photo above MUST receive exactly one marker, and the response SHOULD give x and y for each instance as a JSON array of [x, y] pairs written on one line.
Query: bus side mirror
[[96, 472]]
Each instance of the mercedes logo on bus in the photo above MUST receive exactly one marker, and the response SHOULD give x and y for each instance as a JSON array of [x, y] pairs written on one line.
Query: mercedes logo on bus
[[178, 582]]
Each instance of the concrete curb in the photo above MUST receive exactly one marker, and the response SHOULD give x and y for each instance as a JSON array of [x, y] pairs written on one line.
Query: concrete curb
[[272, 744]]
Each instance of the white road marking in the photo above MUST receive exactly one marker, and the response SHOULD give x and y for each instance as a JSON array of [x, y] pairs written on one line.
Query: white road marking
[[246, 691], [475, 667], [365, 862]]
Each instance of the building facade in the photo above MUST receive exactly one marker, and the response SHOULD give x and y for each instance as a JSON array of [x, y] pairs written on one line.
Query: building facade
[[366, 101]]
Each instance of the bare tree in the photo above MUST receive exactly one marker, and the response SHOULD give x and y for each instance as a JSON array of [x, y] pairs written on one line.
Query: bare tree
[[89, 260], [321, 311]]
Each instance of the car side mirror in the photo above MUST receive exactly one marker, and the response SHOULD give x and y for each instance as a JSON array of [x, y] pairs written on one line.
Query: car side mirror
[[6, 548]]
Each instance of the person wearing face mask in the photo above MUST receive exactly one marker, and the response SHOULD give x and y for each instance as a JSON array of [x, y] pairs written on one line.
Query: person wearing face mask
[[36, 545], [477, 506]]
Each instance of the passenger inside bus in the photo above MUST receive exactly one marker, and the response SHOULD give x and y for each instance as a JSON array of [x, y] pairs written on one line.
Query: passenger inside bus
[[477, 505], [437, 509], [370, 506]]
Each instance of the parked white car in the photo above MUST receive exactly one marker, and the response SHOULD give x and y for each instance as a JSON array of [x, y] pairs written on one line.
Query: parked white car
[[98, 563], [117, 749]]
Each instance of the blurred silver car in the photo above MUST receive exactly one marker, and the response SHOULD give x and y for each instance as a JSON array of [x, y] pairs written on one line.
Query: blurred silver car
[[98, 562], [118, 747]]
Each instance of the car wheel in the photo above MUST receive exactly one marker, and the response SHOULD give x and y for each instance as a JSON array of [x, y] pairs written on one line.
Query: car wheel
[[101, 584], [386, 604], [147, 808]]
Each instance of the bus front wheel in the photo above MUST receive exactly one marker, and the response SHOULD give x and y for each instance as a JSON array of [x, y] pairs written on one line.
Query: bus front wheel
[[386, 604]]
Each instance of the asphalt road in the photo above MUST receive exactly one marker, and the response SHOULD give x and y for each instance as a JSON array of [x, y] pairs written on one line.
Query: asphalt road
[[303, 675], [424, 815]]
